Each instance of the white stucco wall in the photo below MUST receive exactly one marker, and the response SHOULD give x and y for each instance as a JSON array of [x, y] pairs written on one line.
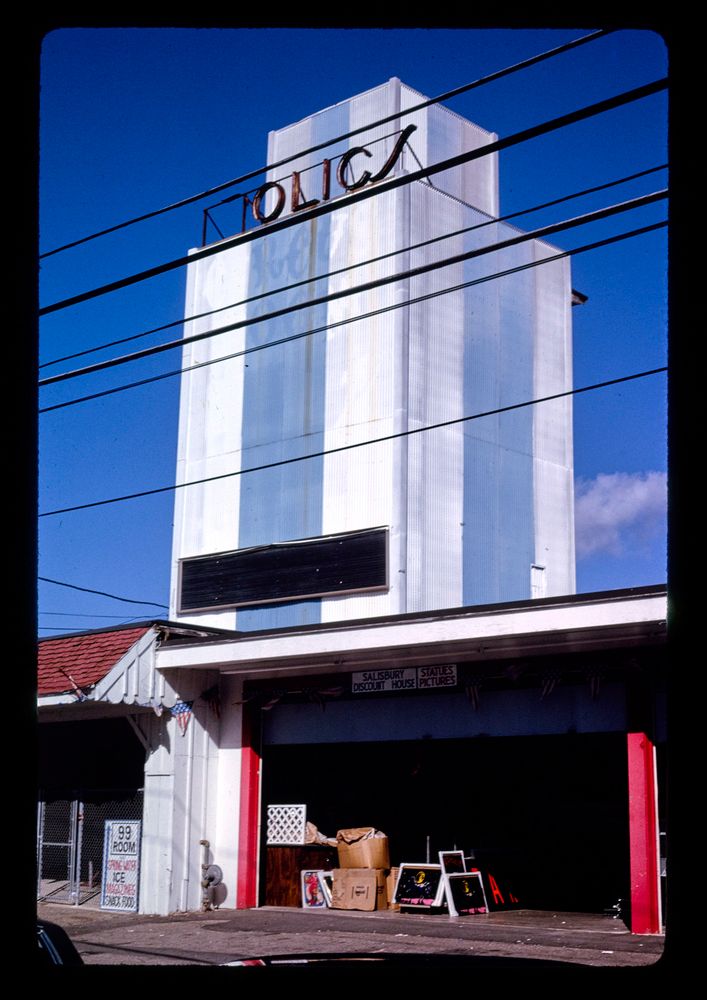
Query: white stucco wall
[[179, 806]]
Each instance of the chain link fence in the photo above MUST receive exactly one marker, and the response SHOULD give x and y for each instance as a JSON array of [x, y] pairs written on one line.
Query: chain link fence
[[70, 837]]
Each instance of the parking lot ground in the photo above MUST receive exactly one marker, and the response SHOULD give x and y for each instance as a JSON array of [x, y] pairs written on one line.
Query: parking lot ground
[[218, 937]]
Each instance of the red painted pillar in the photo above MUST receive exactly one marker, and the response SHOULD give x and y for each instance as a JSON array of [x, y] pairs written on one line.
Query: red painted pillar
[[247, 888], [643, 836]]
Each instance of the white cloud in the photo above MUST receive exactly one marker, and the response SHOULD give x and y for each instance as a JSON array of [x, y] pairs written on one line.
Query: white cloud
[[619, 511]]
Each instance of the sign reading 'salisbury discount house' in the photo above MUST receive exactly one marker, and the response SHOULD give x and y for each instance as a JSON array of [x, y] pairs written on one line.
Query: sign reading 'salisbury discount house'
[[443, 675], [298, 200]]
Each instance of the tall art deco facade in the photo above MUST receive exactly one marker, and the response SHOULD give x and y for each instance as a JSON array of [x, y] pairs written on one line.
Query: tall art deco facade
[[474, 512], [353, 624]]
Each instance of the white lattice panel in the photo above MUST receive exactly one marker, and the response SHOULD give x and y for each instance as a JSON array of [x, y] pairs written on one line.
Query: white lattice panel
[[286, 824]]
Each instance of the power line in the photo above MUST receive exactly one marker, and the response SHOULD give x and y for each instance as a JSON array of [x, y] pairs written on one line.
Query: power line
[[413, 272], [365, 263], [88, 590], [121, 619], [78, 630], [83, 614], [359, 444], [353, 319], [524, 64], [377, 189]]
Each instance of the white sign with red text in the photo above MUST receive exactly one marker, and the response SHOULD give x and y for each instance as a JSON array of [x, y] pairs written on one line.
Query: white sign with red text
[[121, 865]]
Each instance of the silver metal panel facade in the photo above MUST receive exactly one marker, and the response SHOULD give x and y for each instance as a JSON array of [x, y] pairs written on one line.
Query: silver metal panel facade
[[473, 509], [440, 133], [364, 385]]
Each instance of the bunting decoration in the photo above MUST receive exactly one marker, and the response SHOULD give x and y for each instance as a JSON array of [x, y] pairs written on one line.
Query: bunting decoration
[[213, 700], [182, 712], [472, 692], [595, 678], [549, 680], [472, 687]]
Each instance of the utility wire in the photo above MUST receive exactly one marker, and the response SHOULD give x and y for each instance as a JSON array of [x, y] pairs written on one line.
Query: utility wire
[[413, 272], [350, 267], [52, 628], [359, 444], [88, 590], [353, 319], [65, 631], [525, 64], [377, 189], [84, 614]]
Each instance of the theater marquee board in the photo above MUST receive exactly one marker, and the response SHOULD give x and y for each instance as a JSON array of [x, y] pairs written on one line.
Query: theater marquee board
[[442, 675], [121, 865]]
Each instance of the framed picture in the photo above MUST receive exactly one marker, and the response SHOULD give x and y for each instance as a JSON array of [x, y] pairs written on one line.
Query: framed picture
[[465, 894], [419, 885], [452, 862], [314, 892]]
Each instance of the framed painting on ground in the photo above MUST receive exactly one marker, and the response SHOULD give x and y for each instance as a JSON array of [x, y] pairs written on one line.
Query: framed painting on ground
[[465, 894], [316, 895], [419, 885], [452, 862]]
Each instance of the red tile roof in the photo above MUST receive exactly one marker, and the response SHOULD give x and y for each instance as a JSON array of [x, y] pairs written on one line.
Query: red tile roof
[[85, 659]]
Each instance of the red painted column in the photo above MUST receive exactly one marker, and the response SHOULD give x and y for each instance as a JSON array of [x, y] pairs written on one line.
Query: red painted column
[[247, 888], [643, 836]]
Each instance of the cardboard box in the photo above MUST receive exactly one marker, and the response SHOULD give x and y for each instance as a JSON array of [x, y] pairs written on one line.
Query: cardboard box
[[390, 889], [357, 849], [358, 889]]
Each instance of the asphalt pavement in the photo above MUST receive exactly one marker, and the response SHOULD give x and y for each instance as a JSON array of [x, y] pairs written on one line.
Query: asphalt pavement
[[218, 937]]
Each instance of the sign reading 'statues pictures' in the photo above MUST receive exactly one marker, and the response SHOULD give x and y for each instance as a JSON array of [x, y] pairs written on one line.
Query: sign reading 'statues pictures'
[[121, 865], [443, 675]]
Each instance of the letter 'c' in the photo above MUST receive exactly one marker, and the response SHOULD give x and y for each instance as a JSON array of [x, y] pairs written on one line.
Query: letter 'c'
[[343, 164]]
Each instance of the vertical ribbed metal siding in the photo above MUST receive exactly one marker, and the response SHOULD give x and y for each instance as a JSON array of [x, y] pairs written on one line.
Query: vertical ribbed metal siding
[[498, 491], [206, 517], [553, 425], [466, 496], [436, 353], [442, 134], [364, 368], [283, 412]]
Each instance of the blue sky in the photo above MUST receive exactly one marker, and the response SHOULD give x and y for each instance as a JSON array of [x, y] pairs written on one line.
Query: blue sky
[[133, 119]]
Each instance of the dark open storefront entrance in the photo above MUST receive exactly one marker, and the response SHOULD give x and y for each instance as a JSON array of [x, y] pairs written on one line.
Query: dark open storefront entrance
[[91, 753], [549, 814], [88, 771]]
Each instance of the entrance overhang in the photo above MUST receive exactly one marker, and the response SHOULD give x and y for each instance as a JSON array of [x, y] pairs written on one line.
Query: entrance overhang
[[621, 619]]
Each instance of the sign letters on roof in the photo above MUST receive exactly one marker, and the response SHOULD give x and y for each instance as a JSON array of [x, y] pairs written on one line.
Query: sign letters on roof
[[298, 201]]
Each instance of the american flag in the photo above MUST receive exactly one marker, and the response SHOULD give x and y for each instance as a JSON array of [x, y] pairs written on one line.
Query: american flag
[[182, 712]]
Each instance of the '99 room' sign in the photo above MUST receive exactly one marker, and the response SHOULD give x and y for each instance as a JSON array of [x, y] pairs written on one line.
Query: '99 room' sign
[[121, 865]]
